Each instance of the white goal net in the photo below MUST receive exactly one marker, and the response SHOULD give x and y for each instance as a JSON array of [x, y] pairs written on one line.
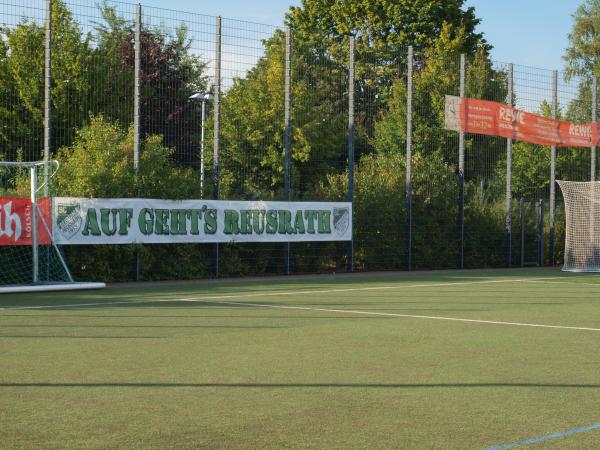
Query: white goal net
[[582, 232], [29, 258]]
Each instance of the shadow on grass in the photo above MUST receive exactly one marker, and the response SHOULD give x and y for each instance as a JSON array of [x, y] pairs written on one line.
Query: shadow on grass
[[79, 337], [136, 326], [303, 385]]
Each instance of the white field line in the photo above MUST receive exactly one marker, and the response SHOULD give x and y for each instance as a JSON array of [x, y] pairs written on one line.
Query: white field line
[[411, 316], [271, 294], [536, 280], [219, 300]]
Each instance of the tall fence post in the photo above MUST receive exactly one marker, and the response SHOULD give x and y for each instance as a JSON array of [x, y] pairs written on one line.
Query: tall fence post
[[553, 168], [47, 94], [593, 152], [461, 173], [509, 173], [351, 143], [217, 130], [409, 112], [288, 132], [136, 94], [137, 48]]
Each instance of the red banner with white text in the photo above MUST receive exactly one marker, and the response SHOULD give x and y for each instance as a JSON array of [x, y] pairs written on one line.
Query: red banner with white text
[[497, 119], [16, 221]]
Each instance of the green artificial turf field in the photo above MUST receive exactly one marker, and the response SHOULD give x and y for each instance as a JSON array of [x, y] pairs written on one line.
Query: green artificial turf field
[[332, 362]]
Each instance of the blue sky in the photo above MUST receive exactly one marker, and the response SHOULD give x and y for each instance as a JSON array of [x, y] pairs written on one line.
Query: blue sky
[[525, 32]]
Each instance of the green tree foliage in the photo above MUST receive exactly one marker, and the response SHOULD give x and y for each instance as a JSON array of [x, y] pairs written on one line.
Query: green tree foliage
[[382, 27], [98, 165], [22, 82], [380, 215], [253, 125], [436, 76], [169, 75], [582, 55], [253, 108], [91, 74]]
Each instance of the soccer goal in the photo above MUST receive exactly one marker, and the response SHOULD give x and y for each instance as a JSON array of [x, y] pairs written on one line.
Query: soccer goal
[[582, 234], [29, 259]]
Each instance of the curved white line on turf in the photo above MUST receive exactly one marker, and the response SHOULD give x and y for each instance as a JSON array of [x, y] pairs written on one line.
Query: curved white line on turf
[[278, 293]]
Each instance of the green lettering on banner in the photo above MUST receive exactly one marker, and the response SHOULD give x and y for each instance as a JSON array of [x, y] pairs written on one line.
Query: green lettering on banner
[[146, 221], [324, 218], [271, 221], [246, 221], [105, 219], [210, 221], [160, 221], [195, 215], [125, 215], [258, 220], [231, 222], [310, 216], [285, 222], [299, 223], [179, 221], [91, 223]]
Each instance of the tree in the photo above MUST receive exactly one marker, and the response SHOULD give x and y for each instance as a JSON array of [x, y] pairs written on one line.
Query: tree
[[437, 74], [98, 165], [92, 73], [22, 82], [253, 109], [381, 27], [582, 55], [253, 124], [383, 30], [169, 75]]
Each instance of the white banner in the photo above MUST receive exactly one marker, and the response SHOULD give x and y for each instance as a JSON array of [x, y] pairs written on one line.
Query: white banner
[[79, 221]]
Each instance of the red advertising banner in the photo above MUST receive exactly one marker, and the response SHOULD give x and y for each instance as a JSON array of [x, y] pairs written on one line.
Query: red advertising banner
[[16, 221], [497, 119]]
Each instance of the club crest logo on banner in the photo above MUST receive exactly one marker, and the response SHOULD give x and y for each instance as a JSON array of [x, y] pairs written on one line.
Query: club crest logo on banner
[[69, 218], [341, 220]]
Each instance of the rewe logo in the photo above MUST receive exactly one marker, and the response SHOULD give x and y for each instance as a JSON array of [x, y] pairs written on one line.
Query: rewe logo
[[512, 115], [10, 223]]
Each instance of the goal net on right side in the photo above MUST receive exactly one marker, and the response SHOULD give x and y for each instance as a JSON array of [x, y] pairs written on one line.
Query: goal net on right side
[[582, 232]]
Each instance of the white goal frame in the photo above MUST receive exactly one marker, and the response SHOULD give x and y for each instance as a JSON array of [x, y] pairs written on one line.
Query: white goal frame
[[582, 228], [36, 285]]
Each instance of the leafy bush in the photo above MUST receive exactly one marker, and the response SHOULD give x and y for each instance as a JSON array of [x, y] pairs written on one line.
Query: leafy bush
[[100, 164]]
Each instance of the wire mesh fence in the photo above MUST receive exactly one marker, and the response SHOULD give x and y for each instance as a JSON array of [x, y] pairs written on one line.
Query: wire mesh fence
[[219, 114]]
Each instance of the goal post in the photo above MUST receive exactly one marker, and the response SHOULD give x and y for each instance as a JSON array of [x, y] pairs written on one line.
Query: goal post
[[30, 260], [582, 231]]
